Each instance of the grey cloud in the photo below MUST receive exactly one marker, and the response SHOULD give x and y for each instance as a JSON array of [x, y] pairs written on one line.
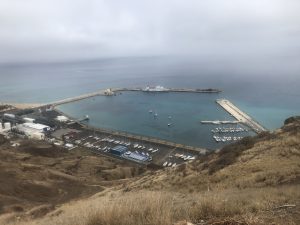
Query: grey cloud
[[35, 30]]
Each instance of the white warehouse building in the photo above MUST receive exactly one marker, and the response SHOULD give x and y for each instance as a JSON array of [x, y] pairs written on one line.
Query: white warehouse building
[[36, 126], [5, 127], [33, 130]]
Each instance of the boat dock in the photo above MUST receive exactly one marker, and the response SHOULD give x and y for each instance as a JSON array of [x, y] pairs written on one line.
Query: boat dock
[[240, 116], [220, 121], [198, 150]]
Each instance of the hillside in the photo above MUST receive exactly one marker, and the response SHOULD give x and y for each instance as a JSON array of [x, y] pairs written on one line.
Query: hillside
[[260, 161], [37, 176], [254, 181]]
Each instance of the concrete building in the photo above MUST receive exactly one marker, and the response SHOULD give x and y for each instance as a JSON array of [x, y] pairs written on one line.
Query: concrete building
[[5, 127], [8, 115], [138, 157], [37, 127], [118, 150], [33, 130]]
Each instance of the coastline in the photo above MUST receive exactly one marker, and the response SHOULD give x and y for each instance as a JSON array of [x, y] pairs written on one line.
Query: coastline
[[23, 105]]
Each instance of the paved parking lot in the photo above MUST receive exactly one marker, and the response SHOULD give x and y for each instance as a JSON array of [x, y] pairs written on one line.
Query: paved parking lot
[[102, 143]]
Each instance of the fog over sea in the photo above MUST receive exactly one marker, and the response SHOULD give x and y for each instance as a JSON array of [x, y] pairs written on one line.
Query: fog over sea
[[269, 92]]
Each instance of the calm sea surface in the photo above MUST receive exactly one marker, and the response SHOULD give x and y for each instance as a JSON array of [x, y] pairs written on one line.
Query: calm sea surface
[[268, 94]]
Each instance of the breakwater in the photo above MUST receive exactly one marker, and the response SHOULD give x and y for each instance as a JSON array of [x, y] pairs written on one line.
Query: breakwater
[[240, 116], [112, 91]]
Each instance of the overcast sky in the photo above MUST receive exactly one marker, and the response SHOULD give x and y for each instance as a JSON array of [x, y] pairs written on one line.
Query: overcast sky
[[43, 30]]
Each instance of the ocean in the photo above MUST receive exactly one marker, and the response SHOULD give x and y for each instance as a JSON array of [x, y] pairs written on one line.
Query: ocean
[[269, 93]]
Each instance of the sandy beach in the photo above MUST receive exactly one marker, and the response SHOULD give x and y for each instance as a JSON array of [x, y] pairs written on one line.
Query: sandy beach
[[23, 105]]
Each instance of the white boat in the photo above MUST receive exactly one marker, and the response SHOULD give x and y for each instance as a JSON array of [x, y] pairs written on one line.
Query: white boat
[[155, 89]]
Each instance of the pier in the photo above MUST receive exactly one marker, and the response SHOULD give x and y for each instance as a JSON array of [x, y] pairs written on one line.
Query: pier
[[112, 91], [219, 122], [240, 116], [77, 98]]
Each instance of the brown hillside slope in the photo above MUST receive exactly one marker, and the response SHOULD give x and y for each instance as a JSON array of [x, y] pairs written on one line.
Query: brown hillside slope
[[37, 174], [255, 181], [265, 160]]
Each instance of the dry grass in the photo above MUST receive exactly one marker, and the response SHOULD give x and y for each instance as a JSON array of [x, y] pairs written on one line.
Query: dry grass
[[141, 208], [249, 206], [246, 183]]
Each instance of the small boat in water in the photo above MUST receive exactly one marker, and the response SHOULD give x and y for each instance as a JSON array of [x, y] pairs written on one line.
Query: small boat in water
[[150, 111]]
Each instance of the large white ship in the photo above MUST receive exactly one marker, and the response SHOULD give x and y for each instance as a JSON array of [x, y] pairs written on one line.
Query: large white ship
[[155, 89]]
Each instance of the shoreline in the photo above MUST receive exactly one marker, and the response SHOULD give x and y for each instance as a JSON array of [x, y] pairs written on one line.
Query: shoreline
[[23, 105]]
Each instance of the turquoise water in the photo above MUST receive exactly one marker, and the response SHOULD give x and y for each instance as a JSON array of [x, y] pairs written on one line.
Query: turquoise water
[[269, 92], [130, 112]]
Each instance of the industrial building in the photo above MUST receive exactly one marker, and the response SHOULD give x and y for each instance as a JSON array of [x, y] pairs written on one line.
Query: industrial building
[[12, 118], [37, 127], [138, 157], [5, 127], [118, 150], [33, 130]]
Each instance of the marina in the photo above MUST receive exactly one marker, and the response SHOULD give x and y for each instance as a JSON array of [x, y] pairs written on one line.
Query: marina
[[240, 116], [164, 125], [229, 130], [172, 117], [226, 138], [219, 122]]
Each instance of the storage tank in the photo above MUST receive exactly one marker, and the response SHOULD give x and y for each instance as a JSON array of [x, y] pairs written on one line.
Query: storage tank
[[9, 115], [7, 126]]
